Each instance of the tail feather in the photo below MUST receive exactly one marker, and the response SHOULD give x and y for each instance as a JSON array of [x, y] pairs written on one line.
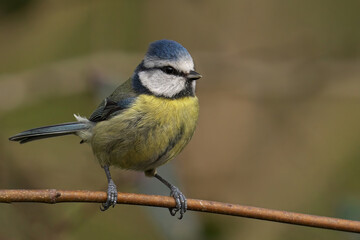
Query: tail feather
[[49, 131]]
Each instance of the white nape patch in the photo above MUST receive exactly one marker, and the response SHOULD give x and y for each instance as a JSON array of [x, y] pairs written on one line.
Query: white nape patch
[[80, 118], [184, 64], [160, 83]]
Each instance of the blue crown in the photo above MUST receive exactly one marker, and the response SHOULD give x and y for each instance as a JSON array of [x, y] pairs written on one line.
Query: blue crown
[[167, 49]]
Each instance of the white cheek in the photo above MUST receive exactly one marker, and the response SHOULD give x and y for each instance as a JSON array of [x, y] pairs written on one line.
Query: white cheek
[[160, 83]]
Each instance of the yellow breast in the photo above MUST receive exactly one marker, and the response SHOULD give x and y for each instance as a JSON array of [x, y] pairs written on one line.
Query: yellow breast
[[148, 134]]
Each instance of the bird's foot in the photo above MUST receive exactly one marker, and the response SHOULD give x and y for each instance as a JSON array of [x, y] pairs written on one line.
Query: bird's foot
[[181, 202], [111, 197]]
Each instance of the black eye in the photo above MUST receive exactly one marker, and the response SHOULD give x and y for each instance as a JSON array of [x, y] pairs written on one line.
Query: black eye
[[169, 70]]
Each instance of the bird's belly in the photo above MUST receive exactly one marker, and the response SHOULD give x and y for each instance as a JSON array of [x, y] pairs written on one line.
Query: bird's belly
[[147, 135]]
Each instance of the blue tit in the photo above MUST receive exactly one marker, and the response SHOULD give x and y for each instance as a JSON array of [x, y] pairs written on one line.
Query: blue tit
[[144, 123]]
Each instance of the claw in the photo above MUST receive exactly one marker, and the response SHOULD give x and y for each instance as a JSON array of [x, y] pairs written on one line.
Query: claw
[[180, 199], [172, 211], [111, 197], [181, 202]]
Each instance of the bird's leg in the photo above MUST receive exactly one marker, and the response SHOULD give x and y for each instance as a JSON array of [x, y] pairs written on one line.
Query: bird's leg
[[111, 192], [180, 199]]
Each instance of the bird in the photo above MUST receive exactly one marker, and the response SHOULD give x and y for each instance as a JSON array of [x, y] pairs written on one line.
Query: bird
[[146, 122]]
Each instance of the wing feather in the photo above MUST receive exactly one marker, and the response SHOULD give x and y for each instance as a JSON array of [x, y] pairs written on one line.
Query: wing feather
[[122, 98]]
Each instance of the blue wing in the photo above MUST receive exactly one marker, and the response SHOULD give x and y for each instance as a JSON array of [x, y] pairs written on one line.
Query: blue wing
[[122, 98], [110, 108]]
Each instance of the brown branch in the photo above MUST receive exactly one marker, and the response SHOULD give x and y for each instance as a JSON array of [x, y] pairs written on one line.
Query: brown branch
[[58, 196]]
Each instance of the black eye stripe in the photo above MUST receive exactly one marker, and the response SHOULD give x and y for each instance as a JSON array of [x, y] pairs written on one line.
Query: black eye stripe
[[168, 70], [172, 71]]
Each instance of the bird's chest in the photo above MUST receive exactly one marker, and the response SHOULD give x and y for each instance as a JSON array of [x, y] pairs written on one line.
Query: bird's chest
[[151, 132], [151, 112]]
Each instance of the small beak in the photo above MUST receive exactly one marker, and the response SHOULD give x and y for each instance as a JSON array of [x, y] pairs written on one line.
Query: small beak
[[193, 75]]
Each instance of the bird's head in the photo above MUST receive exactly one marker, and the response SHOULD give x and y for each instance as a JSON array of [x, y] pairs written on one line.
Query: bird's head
[[167, 70]]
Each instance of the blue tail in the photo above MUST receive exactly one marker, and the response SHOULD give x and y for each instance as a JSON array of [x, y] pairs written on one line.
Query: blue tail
[[50, 131]]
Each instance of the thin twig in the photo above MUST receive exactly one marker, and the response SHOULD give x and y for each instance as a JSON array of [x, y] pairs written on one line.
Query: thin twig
[[58, 196]]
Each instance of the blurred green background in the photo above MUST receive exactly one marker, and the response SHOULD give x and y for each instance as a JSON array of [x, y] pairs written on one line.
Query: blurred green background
[[279, 123]]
